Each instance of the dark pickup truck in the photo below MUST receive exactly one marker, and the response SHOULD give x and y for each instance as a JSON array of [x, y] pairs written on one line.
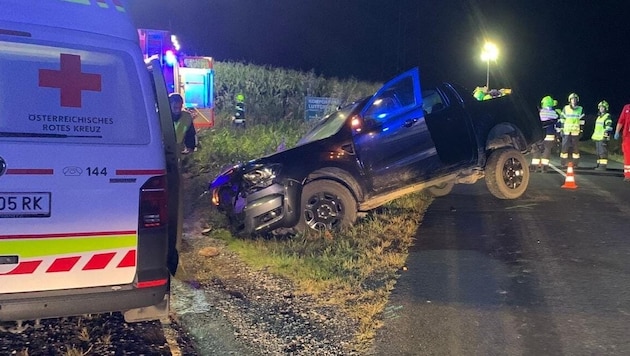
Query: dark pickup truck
[[402, 139]]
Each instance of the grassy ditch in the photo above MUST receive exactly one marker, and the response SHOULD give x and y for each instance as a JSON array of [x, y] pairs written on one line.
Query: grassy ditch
[[354, 270]]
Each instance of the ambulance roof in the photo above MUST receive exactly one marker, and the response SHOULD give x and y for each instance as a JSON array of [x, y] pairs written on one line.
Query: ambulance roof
[[106, 17]]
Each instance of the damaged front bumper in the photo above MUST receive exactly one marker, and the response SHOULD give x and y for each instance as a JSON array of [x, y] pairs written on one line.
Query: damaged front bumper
[[260, 211]]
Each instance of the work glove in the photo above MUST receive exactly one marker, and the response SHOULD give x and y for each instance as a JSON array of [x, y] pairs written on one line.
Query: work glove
[[616, 135]]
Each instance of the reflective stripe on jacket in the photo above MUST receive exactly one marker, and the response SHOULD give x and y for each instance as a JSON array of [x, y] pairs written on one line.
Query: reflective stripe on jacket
[[548, 117]]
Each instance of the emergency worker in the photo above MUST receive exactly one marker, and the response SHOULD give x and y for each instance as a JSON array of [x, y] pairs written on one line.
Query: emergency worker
[[623, 127], [238, 119], [571, 123], [479, 93], [183, 122], [542, 150], [601, 134]]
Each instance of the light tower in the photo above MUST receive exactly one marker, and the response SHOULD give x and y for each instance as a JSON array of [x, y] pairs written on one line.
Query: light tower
[[490, 52]]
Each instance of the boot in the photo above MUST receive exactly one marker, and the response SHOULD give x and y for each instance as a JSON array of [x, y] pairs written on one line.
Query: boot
[[532, 168], [544, 169], [600, 167]]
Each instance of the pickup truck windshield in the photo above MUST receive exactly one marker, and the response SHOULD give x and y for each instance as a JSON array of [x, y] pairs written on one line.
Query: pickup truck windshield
[[329, 125]]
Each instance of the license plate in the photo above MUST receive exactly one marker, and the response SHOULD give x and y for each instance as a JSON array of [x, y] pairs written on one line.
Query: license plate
[[25, 205]]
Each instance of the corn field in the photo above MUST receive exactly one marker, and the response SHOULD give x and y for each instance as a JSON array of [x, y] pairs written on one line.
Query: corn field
[[274, 95]]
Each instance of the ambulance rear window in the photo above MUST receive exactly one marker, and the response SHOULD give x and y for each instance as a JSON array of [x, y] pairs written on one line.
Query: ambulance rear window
[[52, 94]]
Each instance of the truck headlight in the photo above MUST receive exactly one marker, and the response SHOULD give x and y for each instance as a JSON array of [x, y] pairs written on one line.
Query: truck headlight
[[261, 176]]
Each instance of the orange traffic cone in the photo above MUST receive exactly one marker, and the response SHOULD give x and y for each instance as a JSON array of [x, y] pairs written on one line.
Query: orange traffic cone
[[569, 182]]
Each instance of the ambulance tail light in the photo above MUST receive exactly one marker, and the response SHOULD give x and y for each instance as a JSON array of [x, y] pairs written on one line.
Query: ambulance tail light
[[153, 203], [153, 283]]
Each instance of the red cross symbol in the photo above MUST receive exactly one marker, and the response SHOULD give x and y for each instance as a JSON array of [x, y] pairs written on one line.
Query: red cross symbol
[[70, 80]]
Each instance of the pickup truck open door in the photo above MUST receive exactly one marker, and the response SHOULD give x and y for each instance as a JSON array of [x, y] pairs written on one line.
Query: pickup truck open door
[[395, 145]]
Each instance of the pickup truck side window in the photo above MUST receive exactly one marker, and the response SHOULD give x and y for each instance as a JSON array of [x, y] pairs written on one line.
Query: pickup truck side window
[[398, 97], [432, 101]]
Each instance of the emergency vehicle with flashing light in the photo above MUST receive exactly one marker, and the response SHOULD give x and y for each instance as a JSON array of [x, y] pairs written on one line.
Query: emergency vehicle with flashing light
[[89, 168]]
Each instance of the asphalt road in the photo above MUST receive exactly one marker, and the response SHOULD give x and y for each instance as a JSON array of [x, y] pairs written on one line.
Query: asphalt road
[[547, 274]]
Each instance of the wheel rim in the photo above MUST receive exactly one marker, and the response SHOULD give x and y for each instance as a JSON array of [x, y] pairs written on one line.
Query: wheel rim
[[513, 173], [323, 211]]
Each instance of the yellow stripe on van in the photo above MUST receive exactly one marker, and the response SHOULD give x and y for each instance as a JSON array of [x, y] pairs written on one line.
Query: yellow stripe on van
[[28, 248]]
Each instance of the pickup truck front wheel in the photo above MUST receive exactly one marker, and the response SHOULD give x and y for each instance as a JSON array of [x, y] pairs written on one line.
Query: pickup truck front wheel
[[326, 205], [507, 173]]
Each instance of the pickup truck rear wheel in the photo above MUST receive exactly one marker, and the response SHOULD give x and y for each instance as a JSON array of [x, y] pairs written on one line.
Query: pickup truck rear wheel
[[507, 173], [326, 205]]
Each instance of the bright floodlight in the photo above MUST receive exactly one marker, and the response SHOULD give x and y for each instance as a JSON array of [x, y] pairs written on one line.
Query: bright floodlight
[[490, 52]]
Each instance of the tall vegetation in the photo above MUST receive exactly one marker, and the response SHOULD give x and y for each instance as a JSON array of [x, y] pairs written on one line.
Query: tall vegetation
[[274, 95]]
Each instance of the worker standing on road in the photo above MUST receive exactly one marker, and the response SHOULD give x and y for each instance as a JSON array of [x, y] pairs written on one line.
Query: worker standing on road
[[623, 127], [601, 134], [572, 124], [542, 150]]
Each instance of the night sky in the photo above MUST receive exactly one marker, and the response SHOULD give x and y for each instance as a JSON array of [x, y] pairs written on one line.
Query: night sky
[[550, 47]]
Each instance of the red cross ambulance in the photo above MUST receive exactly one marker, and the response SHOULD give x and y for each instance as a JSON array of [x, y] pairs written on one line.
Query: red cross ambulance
[[89, 172]]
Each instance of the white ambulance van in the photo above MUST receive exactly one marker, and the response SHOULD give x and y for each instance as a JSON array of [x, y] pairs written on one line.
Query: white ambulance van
[[89, 172]]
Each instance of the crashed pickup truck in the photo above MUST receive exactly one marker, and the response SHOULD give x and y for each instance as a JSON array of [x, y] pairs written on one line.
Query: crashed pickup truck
[[403, 139]]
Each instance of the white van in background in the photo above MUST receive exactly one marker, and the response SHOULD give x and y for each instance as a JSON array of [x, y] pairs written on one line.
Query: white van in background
[[89, 170]]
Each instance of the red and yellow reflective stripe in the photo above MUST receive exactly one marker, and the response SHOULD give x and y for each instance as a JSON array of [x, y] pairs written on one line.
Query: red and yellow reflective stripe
[[68, 252], [97, 261], [101, 3], [119, 5], [29, 246]]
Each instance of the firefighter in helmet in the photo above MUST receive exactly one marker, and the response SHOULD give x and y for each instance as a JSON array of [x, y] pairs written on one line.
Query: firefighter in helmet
[[542, 151], [601, 134], [238, 119], [571, 126]]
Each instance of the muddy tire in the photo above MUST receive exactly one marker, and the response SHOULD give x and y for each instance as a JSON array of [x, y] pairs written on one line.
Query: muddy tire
[[441, 190], [507, 173], [326, 205]]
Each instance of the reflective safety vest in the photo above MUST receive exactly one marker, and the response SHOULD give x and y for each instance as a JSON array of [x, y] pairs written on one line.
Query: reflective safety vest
[[182, 125], [603, 128], [572, 120], [548, 117]]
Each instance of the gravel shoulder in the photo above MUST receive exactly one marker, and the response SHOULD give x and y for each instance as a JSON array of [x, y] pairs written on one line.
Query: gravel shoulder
[[228, 308]]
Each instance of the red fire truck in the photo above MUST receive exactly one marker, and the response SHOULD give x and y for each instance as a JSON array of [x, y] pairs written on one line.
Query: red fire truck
[[190, 76]]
